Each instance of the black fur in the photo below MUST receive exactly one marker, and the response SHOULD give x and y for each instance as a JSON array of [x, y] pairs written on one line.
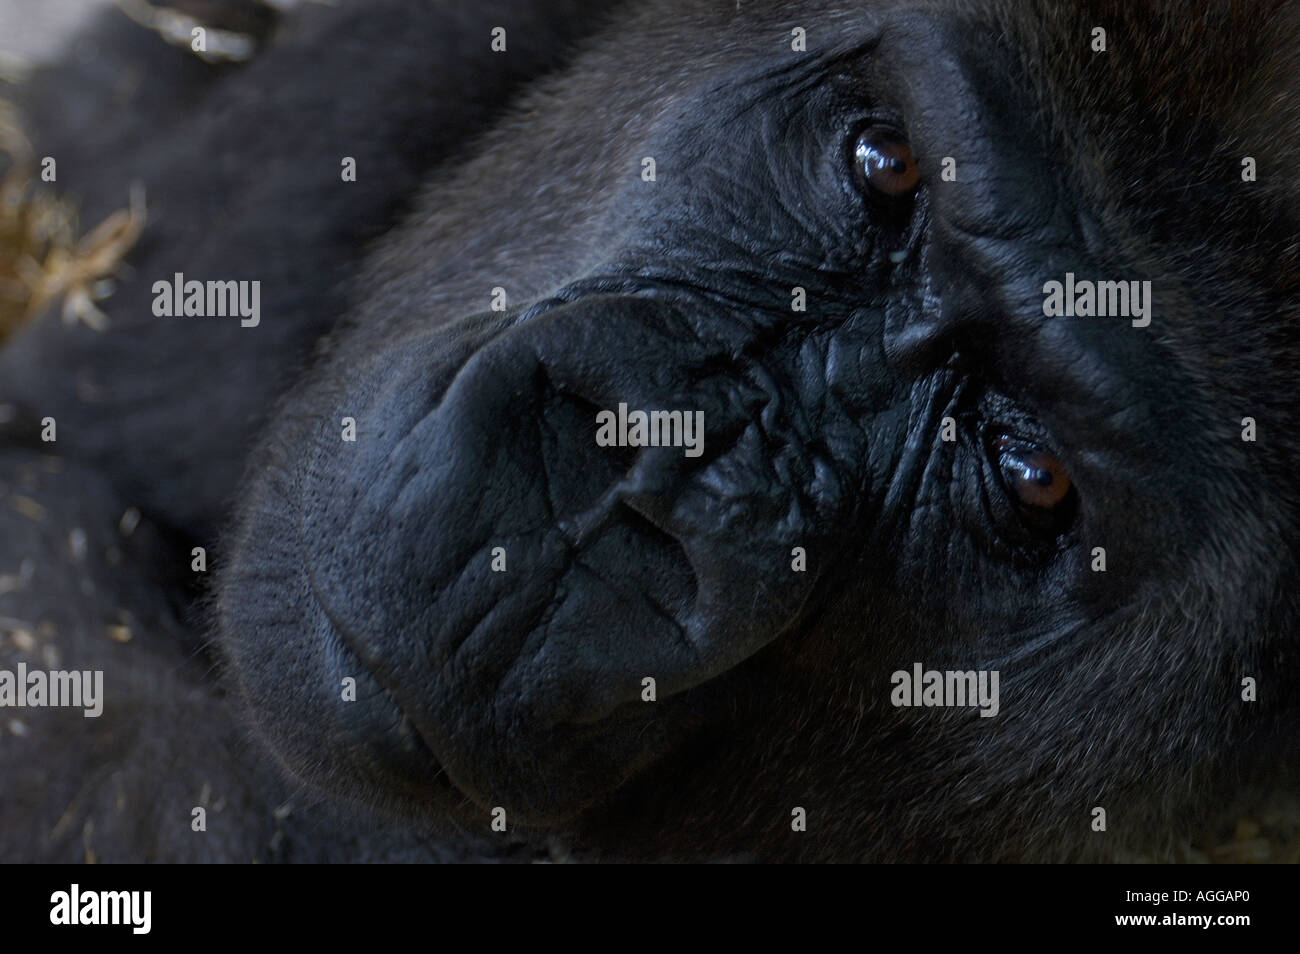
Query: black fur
[[475, 429]]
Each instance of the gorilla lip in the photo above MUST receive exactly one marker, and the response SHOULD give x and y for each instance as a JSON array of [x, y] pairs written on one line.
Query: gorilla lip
[[439, 775]]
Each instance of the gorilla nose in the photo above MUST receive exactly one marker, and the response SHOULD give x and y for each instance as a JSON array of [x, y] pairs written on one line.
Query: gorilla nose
[[513, 579]]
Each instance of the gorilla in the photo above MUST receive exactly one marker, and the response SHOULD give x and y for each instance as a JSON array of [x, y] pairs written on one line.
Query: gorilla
[[682, 431]]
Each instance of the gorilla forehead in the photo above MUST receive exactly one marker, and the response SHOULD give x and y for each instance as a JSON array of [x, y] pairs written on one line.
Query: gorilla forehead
[[479, 427], [1054, 148]]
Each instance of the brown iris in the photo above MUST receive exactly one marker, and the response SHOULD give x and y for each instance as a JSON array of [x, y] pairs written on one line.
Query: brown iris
[[886, 162], [1036, 478]]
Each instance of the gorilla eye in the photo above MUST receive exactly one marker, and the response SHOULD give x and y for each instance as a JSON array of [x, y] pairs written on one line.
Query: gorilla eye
[[884, 161], [1036, 479]]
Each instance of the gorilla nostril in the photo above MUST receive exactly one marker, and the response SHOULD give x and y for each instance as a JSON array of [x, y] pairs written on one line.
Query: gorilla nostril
[[578, 471], [587, 491]]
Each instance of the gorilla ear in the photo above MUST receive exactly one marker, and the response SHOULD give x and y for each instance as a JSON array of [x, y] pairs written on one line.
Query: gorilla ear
[[518, 581]]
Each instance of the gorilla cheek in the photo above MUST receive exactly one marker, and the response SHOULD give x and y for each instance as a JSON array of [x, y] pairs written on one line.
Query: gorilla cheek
[[319, 709]]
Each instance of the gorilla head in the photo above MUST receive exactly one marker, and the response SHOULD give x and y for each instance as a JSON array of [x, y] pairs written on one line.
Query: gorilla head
[[832, 233]]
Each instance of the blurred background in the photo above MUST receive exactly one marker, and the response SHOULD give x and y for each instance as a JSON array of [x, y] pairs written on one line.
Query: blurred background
[[35, 29]]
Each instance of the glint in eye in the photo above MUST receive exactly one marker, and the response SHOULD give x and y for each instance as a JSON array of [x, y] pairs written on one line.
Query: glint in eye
[[1035, 478], [884, 161]]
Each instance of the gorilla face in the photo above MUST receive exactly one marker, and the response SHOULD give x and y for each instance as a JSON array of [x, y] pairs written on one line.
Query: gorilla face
[[840, 261]]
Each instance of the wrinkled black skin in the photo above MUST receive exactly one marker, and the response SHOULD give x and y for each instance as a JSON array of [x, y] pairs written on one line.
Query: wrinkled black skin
[[476, 429]]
